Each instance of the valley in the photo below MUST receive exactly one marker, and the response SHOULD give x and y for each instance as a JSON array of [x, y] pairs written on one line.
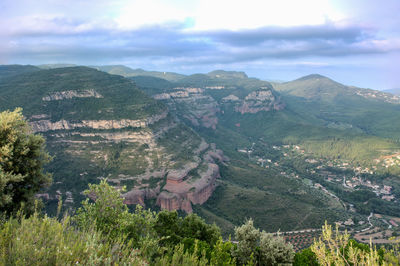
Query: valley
[[222, 145]]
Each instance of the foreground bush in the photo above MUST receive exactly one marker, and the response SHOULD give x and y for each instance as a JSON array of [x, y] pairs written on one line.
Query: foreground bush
[[260, 248], [47, 241], [104, 232], [336, 248]]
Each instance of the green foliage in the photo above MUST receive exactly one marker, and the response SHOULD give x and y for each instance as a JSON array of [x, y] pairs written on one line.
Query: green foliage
[[274, 250], [107, 211], [22, 156], [167, 227], [110, 215], [7, 71], [221, 253], [173, 229], [47, 241], [148, 231], [336, 248], [195, 227], [248, 237], [121, 99], [305, 258], [260, 248], [359, 150], [178, 256]]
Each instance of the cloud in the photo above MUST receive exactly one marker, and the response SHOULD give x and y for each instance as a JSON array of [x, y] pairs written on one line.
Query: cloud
[[97, 41], [327, 31]]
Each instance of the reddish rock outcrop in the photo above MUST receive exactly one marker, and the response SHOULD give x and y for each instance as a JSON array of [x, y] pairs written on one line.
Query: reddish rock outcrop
[[181, 196], [193, 183], [137, 196]]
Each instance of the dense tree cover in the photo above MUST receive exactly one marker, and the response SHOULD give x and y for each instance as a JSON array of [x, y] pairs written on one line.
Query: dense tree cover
[[361, 150], [305, 258], [22, 156]]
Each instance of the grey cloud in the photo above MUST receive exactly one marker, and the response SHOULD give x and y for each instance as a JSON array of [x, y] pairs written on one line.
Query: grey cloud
[[326, 31], [85, 41]]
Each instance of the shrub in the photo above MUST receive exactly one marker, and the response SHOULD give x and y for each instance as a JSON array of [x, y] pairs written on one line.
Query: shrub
[[47, 241], [261, 248]]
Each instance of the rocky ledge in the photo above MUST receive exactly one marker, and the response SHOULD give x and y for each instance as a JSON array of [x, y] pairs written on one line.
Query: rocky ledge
[[193, 183], [260, 100], [61, 95], [47, 125], [201, 108], [181, 196]]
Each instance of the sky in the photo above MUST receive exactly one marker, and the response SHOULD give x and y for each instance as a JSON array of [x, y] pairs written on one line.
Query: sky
[[355, 42]]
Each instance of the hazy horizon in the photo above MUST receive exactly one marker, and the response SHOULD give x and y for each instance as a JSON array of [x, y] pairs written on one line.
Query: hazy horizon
[[355, 43]]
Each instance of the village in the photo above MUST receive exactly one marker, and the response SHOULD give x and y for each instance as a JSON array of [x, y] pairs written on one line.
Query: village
[[319, 173]]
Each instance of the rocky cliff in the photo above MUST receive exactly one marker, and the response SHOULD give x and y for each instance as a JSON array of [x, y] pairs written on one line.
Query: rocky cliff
[[199, 108], [61, 95], [47, 125], [259, 100], [102, 126], [193, 183]]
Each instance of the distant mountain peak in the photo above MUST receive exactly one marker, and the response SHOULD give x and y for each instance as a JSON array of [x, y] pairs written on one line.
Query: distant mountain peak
[[313, 76]]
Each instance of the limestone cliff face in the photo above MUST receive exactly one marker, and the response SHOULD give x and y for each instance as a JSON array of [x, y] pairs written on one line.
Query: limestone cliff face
[[61, 95], [260, 100], [47, 125], [231, 97], [201, 109]]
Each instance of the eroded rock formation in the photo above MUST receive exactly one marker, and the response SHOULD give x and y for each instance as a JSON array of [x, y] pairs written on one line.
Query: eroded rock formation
[[47, 125], [260, 100], [61, 95]]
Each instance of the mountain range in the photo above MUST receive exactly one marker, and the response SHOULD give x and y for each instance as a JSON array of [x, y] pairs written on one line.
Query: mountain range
[[220, 144]]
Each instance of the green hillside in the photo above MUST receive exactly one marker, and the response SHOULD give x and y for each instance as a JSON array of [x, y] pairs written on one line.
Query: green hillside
[[339, 106], [7, 71], [29, 89]]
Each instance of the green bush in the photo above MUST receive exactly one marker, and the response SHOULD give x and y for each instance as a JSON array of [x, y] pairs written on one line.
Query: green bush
[[173, 229], [46, 241], [260, 248]]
